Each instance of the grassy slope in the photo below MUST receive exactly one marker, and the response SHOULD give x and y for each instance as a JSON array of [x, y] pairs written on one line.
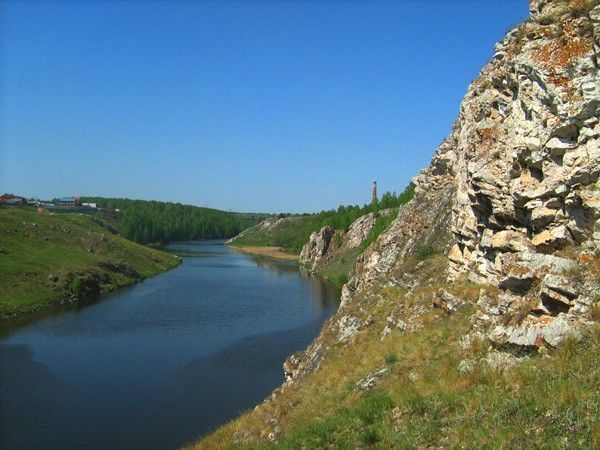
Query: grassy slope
[[67, 246], [282, 235], [423, 401], [293, 232]]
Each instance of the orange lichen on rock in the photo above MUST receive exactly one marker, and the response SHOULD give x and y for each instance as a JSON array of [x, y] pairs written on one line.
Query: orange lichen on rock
[[489, 134], [562, 53], [559, 80]]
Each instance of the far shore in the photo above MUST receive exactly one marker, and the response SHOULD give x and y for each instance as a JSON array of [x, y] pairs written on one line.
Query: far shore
[[272, 252]]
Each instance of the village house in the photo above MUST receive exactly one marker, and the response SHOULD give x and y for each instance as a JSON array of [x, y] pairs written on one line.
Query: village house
[[69, 202], [11, 199]]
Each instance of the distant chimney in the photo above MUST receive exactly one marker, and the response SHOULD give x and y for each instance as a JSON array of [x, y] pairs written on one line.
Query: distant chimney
[[374, 192]]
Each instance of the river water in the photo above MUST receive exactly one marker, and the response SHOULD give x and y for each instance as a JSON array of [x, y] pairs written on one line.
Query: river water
[[160, 363]]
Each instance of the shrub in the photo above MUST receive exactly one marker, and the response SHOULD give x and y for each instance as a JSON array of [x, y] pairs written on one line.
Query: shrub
[[391, 358], [423, 252], [76, 287], [341, 279]]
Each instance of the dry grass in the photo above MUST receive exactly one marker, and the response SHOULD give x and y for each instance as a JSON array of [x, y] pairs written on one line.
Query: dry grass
[[272, 252]]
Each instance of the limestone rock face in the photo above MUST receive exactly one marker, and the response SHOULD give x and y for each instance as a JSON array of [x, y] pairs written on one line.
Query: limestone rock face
[[362, 226], [528, 143], [360, 229], [526, 167], [316, 247]]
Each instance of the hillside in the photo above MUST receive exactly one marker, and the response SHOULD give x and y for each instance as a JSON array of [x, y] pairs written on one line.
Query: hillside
[[292, 232], [472, 320], [146, 221], [57, 258]]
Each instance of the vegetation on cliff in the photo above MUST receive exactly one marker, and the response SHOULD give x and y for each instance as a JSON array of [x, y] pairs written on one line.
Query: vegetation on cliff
[[292, 232], [57, 258], [152, 221]]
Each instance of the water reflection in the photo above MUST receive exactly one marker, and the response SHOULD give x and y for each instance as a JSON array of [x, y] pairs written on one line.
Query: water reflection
[[325, 295], [255, 362], [279, 266], [159, 363]]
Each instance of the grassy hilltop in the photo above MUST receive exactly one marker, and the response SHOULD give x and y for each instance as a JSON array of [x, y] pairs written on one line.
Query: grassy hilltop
[[54, 258]]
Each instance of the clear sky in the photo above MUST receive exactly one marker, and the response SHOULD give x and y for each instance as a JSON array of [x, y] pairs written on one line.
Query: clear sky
[[246, 106]]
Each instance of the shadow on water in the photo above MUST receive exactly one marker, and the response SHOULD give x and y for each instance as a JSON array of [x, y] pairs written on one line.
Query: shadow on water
[[30, 386], [255, 362], [8, 326]]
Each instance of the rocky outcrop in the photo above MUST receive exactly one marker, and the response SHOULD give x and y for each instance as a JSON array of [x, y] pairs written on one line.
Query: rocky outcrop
[[317, 247], [527, 147], [512, 195], [424, 223], [318, 251], [360, 229], [528, 144]]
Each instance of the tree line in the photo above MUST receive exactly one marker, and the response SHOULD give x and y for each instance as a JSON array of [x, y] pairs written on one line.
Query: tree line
[[153, 221], [342, 217], [146, 221]]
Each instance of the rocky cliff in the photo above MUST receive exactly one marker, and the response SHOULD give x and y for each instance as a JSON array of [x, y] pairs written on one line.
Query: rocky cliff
[[503, 231], [526, 162], [516, 184], [327, 250]]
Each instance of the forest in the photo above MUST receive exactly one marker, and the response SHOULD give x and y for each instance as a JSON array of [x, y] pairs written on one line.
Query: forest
[[159, 222], [147, 222]]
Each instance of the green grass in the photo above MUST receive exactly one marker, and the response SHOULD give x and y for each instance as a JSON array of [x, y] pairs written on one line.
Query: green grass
[[422, 252], [47, 259], [544, 403], [283, 235]]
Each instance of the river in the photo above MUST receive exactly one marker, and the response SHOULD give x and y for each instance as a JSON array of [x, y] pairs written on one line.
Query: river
[[160, 363]]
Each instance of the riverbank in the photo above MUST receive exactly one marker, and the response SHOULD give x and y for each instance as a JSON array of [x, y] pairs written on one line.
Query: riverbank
[[49, 259], [271, 252]]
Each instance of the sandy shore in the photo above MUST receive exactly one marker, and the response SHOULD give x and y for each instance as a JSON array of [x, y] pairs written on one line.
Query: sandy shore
[[272, 252]]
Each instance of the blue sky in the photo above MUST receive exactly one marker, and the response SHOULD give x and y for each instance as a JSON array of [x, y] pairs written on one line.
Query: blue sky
[[245, 106]]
